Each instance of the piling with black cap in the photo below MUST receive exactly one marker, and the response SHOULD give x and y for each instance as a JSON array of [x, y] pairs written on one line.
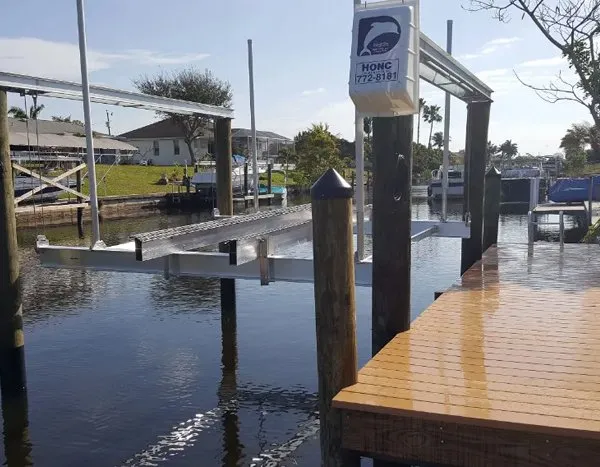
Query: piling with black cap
[[335, 307], [491, 209]]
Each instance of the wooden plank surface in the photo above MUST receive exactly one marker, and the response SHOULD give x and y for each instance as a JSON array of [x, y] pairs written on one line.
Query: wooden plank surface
[[514, 346]]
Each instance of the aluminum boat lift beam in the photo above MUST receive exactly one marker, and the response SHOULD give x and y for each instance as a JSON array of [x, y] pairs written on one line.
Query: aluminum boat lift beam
[[253, 243], [54, 88]]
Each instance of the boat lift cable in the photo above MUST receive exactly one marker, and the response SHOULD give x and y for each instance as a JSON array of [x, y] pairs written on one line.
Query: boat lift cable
[[29, 155], [37, 143]]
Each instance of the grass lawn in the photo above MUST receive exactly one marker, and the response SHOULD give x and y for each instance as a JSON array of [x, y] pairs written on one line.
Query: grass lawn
[[114, 180]]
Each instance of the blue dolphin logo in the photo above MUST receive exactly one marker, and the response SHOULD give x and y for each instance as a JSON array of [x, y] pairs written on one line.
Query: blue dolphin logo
[[377, 35]]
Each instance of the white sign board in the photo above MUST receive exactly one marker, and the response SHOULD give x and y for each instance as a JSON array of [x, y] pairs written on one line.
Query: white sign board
[[384, 68]]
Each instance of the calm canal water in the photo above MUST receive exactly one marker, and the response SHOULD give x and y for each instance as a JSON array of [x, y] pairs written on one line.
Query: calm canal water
[[131, 369]]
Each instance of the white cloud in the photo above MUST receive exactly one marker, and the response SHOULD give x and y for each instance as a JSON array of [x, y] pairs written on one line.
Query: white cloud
[[544, 62], [60, 60], [503, 41], [491, 47], [312, 92]]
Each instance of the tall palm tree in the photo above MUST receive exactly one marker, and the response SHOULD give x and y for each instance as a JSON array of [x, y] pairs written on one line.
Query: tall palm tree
[[438, 140], [422, 106], [432, 115], [18, 112]]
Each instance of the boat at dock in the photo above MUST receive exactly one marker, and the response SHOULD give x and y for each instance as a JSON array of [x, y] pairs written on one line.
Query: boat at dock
[[574, 190], [24, 184], [456, 182]]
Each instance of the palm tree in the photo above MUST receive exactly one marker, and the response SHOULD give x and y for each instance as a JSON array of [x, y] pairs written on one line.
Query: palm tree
[[492, 151], [431, 114], [438, 140], [18, 112], [508, 149], [579, 138], [422, 106]]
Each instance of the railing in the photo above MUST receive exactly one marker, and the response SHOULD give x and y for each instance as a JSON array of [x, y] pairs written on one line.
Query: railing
[[533, 223]]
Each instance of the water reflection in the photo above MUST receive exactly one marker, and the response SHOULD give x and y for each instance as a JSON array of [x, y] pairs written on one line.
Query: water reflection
[[227, 392], [185, 294], [17, 446]]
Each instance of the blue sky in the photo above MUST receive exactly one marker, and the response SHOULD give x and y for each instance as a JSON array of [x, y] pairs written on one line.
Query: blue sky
[[302, 50]]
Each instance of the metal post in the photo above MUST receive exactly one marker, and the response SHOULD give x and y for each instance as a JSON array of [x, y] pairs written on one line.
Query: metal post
[[335, 308], [478, 117], [591, 201], [561, 233], [530, 228], [359, 133], [12, 346], [491, 210], [534, 193], [246, 190], [91, 163], [392, 149], [79, 201], [445, 181], [253, 124]]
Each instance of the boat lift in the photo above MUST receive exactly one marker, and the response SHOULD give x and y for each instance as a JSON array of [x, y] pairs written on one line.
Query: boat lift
[[253, 240]]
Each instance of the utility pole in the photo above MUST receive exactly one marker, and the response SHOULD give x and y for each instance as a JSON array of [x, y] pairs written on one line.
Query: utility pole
[[108, 114]]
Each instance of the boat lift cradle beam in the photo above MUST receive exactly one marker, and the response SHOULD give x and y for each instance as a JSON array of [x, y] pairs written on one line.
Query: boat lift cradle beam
[[282, 223], [257, 262]]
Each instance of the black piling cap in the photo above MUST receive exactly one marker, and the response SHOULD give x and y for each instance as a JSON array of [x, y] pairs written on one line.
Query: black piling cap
[[331, 185], [493, 172]]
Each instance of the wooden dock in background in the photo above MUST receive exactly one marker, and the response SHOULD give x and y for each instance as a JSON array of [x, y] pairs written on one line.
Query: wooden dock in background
[[503, 369]]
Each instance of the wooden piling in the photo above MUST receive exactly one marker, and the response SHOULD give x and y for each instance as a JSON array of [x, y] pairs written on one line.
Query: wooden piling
[[79, 201], [335, 308], [12, 353], [224, 166], [270, 182], [478, 118], [246, 185], [491, 210], [392, 147], [225, 201]]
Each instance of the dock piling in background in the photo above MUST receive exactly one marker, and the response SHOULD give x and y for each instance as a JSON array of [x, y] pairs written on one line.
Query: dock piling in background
[[335, 308], [392, 149], [12, 351], [491, 209], [270, 182], [591, 202], [224, 166], [246, 191], [225, 199], [478, 119]]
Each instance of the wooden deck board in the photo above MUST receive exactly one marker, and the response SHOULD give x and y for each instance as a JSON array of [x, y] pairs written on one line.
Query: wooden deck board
[[513, 350]]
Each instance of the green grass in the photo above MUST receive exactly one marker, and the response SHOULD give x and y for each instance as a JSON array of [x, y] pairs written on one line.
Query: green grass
[[121, 180]]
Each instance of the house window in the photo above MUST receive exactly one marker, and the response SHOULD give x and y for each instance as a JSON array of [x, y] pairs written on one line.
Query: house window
[[156, 148], [176, 149], [211, 148]]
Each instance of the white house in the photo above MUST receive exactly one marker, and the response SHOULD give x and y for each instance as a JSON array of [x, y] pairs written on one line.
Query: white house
[[162, 143]]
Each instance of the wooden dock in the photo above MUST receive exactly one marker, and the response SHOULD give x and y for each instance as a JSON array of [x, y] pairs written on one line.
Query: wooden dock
[[502, 370]]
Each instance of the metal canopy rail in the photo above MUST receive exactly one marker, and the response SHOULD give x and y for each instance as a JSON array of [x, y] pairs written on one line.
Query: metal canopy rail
[[442, 70], [23, 84]]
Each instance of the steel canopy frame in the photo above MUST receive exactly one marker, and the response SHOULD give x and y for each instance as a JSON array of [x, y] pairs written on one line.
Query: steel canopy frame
[[24, 84]]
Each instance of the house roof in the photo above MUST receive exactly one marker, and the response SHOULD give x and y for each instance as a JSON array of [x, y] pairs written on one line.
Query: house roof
[[50, 134], [247, 133], [169, 129], [162, 129]]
